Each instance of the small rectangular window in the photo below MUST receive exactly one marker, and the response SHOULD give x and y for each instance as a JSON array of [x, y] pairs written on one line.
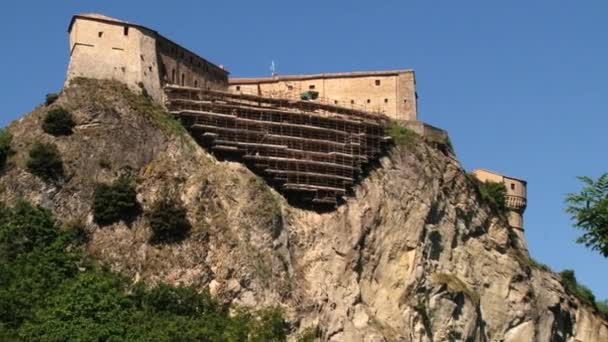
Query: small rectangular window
[[369, 101], [126, 30], [352, 101], [512, 186], [312, 86], [335, 101], [377, 82], [290, 87], [385, 100], [100, 34], [238, 88]]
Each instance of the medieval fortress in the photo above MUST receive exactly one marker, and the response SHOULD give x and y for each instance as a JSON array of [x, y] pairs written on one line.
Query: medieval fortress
[[311, 135]]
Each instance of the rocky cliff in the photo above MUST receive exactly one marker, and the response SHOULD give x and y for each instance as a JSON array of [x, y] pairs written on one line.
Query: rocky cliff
[[414, 255]]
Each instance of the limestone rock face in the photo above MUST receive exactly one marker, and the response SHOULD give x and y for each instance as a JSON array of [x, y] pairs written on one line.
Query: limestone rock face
[[412, 255]]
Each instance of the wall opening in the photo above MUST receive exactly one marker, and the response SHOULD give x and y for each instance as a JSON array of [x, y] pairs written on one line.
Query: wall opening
[[369, 101], [312, 86], [238, 88], [512, 186], [377, 82], [290, 87], [173, 76], [352, 101], [385, 100], [125, 30], [183, 79], [100, 34], [195, 83]]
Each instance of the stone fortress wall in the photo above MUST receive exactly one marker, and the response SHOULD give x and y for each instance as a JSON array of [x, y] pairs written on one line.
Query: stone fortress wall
[[391, 92], [107, 48]]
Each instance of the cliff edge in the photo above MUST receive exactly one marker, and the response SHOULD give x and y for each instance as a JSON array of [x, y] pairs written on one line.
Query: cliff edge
[[414, 255]]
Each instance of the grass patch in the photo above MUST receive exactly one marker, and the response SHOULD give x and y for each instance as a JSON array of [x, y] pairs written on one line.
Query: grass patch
[[58, 122], [602, 307], [45, 162], [401, 136]]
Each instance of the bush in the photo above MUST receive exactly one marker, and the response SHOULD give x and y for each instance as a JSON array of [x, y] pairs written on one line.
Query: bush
[[5, 147], [400, 134], [602, 306], [45, 161], [493, 194], [51, 98], [169, 222], [572, 286], [115, 202], [49, 292], [58, 122]]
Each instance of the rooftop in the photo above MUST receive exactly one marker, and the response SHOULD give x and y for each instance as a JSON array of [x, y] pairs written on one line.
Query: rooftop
[[501, 174], [277, 78]]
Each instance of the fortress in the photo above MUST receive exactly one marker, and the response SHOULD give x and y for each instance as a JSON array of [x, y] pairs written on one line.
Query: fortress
[[309, 135]]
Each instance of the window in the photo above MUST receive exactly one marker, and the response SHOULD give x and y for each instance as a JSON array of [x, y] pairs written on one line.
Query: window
[[404, 100], [352, 101], [369, 101], [335, 101], [100, 34], [385, 100], [312, 86], [238, 88], [183, 79], [377, 82], [512, 186], [173, 76], [290, 87], [195, 83], [125, 30]]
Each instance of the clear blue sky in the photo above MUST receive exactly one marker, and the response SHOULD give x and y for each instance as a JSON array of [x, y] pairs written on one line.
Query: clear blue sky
[[520, 85]]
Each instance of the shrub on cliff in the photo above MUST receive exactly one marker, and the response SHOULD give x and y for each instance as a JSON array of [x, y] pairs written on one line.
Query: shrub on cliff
[[45, 162], [169, 222], [58, 122], [399, 134], [493, 194], [572, 286], [5, 147], [115, 202], [51, 98]]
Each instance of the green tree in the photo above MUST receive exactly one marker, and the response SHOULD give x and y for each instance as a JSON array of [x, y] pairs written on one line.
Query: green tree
[[589, 210]]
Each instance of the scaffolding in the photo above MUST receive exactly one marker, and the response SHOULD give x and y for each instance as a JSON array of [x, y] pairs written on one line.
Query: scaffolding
[[314, 149]]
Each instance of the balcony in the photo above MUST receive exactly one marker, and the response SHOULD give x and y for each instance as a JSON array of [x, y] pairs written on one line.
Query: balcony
[[516, 203]]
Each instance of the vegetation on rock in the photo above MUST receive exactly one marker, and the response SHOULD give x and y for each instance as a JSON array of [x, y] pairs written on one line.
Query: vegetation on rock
[[589, 210], [58, 122], [169, 222], [581, 291], [493, 194], [400, 135], [50, 291], [45, 162], [51, 98], [115, 202], [5, 147]]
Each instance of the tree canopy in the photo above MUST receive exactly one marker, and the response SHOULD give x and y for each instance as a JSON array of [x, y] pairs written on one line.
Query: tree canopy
[[589, 210]]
